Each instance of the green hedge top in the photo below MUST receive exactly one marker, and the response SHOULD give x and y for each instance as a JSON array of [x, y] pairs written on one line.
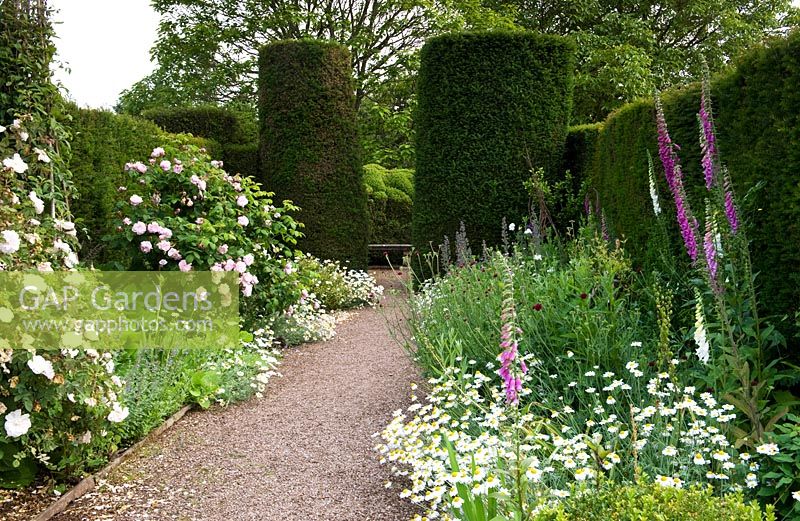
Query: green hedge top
[[208, 121], [490, 106]]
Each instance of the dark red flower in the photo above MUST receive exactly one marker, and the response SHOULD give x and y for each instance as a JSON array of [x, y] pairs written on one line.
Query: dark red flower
[[537, 307], [584, 296]]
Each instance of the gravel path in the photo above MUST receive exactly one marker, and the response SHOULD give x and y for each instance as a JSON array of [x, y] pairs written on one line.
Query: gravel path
[[303, 452]]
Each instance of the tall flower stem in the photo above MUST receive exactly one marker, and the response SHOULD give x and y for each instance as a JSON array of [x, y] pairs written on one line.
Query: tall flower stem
[[674, 176]]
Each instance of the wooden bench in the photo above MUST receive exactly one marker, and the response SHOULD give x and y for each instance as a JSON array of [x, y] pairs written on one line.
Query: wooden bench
[[378, 253], [383, 249]]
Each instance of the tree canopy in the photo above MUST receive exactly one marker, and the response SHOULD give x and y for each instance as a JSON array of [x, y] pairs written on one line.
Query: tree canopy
[[628, 48], [207, 49]]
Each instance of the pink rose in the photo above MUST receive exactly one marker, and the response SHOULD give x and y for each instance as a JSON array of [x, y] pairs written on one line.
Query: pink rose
[[154, 227], [223, 249], [127, 221], [139, 228], [165, 165], [243, 220], [184, 266], [249, 259], [241, 267], [241, 201], [164, 246], [146, 246], [135, 200], [158, 152]]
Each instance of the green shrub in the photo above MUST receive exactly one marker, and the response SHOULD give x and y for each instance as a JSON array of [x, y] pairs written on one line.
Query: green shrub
[[309, 147], [649, 501], [491, 107], [390, 201], [758, 121], [102, 143], [208, 121], [241, 159]]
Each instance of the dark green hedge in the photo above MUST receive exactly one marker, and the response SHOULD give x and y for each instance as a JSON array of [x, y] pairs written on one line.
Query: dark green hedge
[[102, 143], [309, 147], [487, 102], [208, 121], [242, 159], [757, 110], [579, 150], [232, 130], [390, 196]]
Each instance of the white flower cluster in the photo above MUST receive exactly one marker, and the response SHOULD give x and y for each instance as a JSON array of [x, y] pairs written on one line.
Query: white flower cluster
[[306, 321], [465, 436], [18, 423], [262, 366], [363, 288]]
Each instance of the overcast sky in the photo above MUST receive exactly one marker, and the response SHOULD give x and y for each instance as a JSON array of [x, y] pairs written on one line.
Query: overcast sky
[[106, 44]]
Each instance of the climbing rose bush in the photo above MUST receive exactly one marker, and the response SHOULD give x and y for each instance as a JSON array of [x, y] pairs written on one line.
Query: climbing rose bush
[[56, 407], [181, 211]]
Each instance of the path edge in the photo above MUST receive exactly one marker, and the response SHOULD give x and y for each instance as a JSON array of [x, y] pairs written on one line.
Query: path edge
[[88, 483]]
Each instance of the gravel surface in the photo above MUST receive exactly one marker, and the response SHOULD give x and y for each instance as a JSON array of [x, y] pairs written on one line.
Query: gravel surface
[[303, 452]]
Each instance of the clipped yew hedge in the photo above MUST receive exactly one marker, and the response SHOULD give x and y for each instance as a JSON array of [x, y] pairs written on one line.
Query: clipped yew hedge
[[237, 136], [757, 111], [208, 121], [390, 194], [490, 105], [309, 150]]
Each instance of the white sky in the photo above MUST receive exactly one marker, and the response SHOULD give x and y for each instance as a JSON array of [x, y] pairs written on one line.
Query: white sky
[[106, 44]]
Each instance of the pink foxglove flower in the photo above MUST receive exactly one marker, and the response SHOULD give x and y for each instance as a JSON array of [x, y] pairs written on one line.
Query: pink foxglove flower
[[510, 371], [672, 171]]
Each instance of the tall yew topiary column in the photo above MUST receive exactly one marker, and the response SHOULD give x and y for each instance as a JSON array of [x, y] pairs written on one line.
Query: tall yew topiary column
[[490, 105], [309, 147]]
